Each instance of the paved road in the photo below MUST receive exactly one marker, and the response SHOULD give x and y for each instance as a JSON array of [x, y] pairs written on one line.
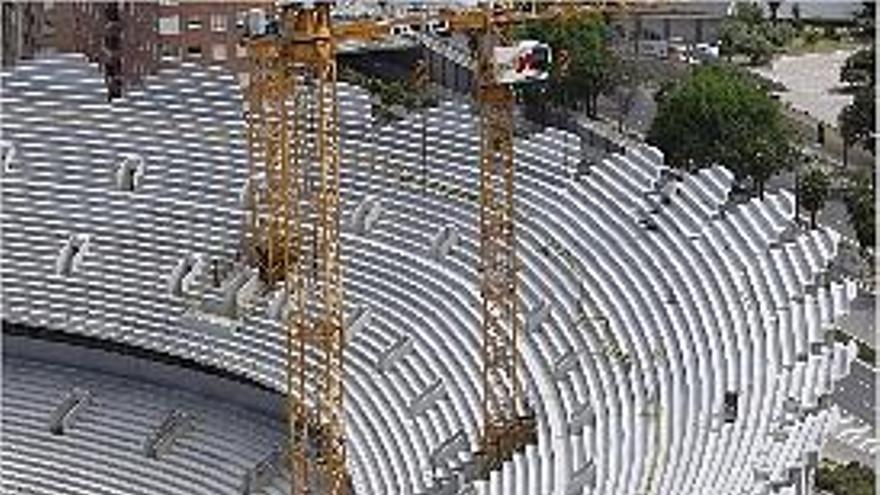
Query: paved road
[[842, 452], [856, 394], [812, 80], [860, 322]]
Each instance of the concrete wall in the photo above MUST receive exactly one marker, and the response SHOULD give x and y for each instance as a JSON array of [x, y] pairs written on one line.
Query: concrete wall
[[241, 394], [447, 73], [697, 29]]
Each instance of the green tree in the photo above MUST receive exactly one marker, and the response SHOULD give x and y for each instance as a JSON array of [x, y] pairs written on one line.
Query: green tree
[[857, 120], [813, 192], [749, 13], [732, 36], [860, 204], [626, 80], [859, 68], [747, 33], [779, 35], [717, 116], [866, 19], [864, 220]]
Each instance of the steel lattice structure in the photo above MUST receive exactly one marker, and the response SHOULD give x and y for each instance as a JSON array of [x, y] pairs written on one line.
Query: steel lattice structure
[[505, 425], [294, 233]]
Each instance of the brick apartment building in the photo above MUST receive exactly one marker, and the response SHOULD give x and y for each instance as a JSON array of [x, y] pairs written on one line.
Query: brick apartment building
[[203, 32], [26, 30], [119, 36], [130, 39]]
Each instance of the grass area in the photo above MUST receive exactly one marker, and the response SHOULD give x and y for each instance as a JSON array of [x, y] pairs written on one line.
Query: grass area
[[801, 45]]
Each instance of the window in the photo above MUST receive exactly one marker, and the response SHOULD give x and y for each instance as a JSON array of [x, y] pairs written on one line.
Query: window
[[240, 50], [169, 25], [218, 52], [194, 24], [169, 52], [240, 19], [194, 51], [218, 23]]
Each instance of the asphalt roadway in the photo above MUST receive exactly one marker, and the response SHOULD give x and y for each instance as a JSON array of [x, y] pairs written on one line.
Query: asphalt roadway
[[856, 393]]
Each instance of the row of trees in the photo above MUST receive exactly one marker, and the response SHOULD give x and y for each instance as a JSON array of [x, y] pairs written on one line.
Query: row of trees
[[590, 69], [857, 120], [719, 114], [716, 116], [858, 124], [747, 32]]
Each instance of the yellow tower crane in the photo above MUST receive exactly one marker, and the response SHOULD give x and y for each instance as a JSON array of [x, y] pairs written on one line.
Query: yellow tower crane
[[292, 233]]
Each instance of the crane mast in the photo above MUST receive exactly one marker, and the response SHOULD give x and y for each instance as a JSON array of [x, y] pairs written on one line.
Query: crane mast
[[294, 232], [505, 425]]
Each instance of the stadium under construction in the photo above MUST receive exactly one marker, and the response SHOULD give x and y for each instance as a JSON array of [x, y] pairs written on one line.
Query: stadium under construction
[[212, 286]]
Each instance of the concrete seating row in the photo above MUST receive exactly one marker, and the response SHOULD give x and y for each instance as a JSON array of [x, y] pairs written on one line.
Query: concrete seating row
[[654, 298]]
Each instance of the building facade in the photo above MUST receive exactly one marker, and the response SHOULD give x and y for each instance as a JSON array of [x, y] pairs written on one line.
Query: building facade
[[130, 39], [208, 33], [26, 30], [118, 36]]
